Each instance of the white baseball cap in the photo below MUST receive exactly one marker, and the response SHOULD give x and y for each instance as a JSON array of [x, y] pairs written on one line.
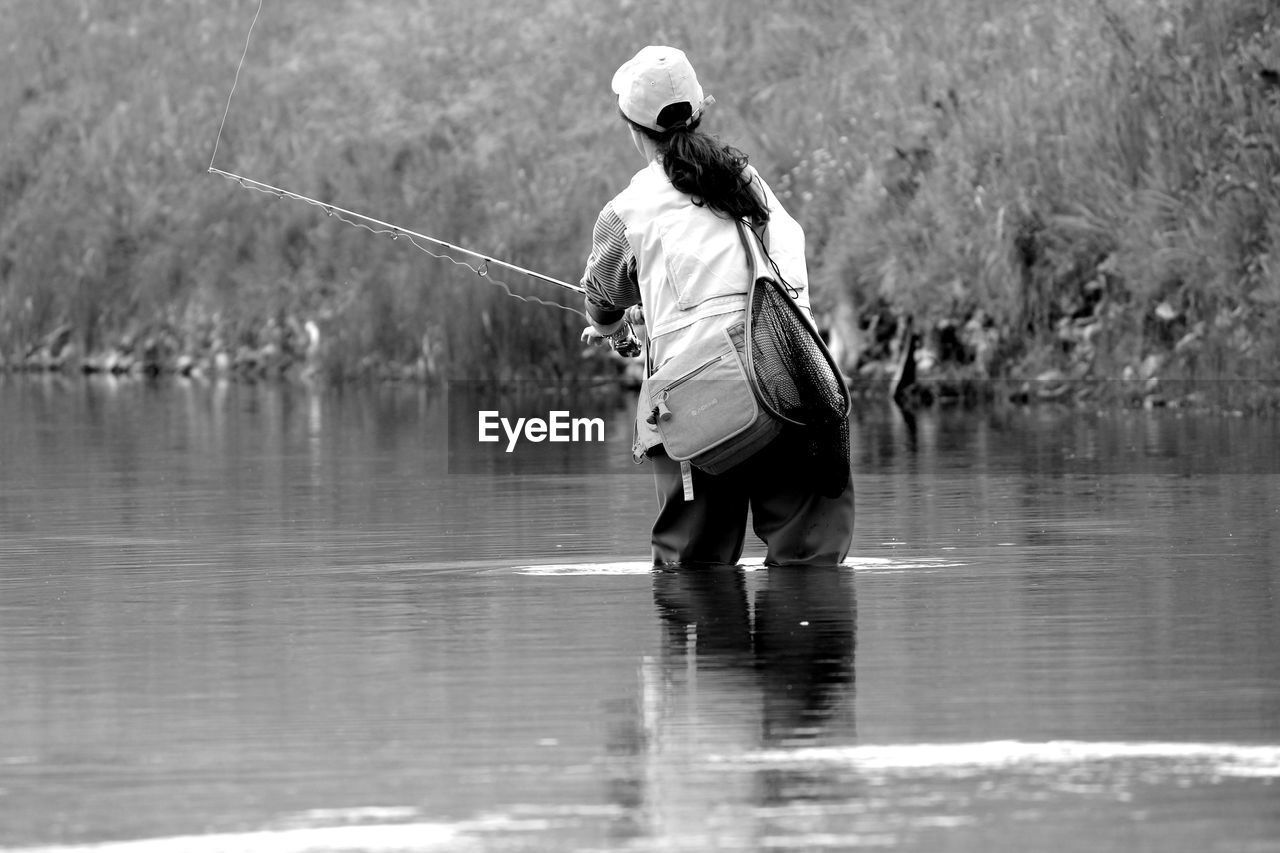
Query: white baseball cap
[[654, 79]]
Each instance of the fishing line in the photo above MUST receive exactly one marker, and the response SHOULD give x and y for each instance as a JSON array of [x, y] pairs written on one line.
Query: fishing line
[[235, 82], [377, 226]]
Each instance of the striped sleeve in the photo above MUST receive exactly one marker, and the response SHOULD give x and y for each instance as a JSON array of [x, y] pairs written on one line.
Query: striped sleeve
[[610, 278]]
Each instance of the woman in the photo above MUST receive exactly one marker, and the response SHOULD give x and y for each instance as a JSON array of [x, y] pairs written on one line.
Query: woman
[[670, 242]]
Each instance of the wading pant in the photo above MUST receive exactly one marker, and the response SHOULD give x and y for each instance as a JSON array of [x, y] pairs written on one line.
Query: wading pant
[[797, 525]]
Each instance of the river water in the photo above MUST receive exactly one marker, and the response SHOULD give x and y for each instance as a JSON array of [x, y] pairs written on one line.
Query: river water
[[247, 618]]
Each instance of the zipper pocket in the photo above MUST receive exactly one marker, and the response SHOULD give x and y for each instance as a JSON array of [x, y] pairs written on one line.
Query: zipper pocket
[[660, 411], [680, 380]]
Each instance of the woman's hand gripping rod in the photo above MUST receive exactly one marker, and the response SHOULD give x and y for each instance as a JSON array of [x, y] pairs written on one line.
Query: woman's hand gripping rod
[[625, 342]]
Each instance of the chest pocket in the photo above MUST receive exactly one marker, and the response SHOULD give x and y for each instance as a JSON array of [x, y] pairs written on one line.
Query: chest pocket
[[702, 257]]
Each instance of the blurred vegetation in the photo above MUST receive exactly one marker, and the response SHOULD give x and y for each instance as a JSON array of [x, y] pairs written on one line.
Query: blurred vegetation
[[1085, 189]]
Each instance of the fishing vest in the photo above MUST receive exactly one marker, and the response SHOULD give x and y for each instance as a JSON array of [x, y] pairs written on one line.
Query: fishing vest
[[692, 270]]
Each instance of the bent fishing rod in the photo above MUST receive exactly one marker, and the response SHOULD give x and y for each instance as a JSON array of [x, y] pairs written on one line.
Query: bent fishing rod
[[377, 226], [624, 341]]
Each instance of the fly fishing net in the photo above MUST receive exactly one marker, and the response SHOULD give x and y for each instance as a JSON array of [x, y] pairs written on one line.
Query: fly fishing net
[[796, 377]]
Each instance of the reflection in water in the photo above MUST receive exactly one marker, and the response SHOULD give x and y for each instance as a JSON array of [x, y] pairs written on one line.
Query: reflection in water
[[253, 614], [735, 673], [804, 636]]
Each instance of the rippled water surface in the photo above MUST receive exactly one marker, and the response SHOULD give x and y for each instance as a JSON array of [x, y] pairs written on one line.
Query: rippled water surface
[[236, 618]]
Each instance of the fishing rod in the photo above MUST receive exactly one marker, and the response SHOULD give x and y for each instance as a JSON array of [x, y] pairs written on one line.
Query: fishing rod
[[623, 341], [378, 226]]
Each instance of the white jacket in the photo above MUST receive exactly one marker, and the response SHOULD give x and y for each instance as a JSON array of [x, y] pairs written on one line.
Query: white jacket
[[692, 269]]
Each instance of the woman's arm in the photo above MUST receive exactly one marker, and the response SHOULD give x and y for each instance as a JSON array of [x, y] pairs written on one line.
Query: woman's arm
[[610, 277]]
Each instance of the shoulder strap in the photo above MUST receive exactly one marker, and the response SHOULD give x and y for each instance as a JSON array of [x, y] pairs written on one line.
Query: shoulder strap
[[748, 323]]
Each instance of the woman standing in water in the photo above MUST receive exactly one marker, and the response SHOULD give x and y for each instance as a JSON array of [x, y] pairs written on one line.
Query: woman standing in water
[[670, 242]]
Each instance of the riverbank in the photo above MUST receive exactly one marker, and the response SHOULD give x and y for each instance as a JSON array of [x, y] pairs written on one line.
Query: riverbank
[[1080, 194], [913, 378]]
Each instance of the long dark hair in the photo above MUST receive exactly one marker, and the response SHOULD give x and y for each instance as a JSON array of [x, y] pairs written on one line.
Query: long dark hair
[[712, 174]]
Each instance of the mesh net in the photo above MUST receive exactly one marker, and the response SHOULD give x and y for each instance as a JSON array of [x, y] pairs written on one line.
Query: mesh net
[[794, 376], [796, 379]]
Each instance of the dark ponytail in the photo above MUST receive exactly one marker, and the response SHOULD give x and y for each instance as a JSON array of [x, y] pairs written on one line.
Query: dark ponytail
[[713, 175]]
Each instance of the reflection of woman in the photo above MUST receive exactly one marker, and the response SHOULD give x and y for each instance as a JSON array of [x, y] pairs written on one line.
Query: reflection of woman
[[796, 641], [670, 242], [738, 673], [804, 648]]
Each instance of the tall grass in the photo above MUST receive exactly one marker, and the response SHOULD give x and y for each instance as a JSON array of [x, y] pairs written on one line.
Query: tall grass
[[1093, 181], [1085, 185]]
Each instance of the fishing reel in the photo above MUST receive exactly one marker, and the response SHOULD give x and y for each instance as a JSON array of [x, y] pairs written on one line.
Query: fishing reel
[[624, 341]]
